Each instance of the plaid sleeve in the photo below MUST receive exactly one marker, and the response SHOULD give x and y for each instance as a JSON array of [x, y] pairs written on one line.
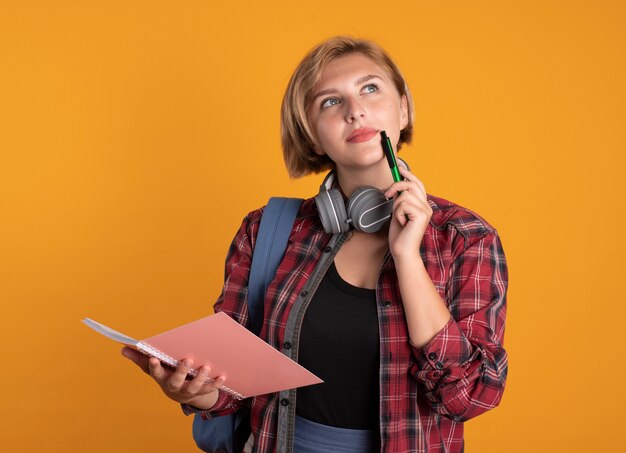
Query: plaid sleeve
[[234, 297], [463, 368], [224, 405]]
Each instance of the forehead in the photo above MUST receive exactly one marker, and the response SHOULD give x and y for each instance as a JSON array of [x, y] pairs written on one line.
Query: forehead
[[348, 68]]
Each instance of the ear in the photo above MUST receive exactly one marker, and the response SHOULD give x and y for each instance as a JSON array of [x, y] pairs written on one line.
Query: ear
[[404, 116], [315, 147], [317, 150]]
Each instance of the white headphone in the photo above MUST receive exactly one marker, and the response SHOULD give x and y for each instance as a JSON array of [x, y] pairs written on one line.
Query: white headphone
[[367, 210]]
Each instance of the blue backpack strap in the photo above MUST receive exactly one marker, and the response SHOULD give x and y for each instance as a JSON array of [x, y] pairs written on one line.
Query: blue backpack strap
[[271, 243], [229, 433]]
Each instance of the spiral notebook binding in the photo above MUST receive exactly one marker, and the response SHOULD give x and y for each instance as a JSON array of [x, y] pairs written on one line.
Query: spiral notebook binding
[[153, 352]]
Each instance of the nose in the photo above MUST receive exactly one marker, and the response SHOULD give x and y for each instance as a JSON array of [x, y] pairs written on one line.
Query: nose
[[354, 109]]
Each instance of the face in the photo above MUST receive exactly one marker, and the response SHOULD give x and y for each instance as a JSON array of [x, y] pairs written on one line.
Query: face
[[353, 101]]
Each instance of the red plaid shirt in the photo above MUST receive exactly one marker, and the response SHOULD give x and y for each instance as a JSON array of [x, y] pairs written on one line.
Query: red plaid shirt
[[425, 393]]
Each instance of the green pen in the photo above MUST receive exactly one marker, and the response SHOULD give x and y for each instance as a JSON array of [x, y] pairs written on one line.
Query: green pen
[[391, 159]]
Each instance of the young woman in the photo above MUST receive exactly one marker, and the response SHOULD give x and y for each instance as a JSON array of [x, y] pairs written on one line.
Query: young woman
[[404, 324]]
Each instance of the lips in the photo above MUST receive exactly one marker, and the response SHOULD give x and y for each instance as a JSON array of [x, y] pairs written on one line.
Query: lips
[[362, 134]]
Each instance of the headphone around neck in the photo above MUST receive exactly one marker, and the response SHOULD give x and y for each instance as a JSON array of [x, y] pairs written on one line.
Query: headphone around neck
[[367, 209]]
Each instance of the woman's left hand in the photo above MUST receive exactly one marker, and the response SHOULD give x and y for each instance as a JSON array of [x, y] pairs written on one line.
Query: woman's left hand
[[410, 217]]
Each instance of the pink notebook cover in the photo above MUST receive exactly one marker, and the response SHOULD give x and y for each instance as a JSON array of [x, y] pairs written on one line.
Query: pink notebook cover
[[251, 366]]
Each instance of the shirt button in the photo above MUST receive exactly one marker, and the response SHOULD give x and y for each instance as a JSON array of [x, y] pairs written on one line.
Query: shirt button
[[439, 365], [386, 303], [328, 249], [432, 356], [284, 402], [304, 293], [287, 345]]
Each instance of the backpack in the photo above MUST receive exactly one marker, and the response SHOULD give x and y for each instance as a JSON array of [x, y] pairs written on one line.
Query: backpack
[[229, 433]]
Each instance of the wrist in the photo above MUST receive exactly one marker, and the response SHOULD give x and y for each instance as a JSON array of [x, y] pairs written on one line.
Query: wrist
[[408, 260], [204, 402]]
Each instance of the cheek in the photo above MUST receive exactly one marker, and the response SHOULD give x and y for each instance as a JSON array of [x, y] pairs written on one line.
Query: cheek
[[328, 133], [395, 112], [320, 128], [325, 127]]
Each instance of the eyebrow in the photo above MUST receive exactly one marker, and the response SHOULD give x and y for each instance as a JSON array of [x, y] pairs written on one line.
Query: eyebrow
[[359, 81]]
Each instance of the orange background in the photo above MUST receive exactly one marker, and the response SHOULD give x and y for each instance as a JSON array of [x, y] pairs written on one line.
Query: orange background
[[134, 137]]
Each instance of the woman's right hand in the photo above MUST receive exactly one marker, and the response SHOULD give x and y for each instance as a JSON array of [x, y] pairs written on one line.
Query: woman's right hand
[[196, 392]]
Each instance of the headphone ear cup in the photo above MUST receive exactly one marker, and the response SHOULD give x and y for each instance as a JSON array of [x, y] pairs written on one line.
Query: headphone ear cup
[[332, 211], [369, 209]]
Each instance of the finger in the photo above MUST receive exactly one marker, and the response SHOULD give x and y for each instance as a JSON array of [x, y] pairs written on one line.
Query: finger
[[157, 371], [406, 211], [136, 357], [404, 216], [415, 198], [179, 376], [198, 382], [407, 174], [213, 385], [411, 177], [412, 195], [405, 186], [399, 216]]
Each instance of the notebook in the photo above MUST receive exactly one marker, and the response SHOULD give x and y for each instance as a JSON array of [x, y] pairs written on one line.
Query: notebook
[[250, 365]]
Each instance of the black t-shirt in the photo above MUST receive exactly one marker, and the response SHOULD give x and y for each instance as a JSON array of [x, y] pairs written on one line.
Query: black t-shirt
[[339, 342]]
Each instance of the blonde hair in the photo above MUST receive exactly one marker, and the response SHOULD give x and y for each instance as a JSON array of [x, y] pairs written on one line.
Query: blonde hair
[[297, 140]]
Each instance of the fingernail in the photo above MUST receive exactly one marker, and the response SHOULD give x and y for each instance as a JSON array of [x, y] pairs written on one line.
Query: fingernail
[[187, 363]]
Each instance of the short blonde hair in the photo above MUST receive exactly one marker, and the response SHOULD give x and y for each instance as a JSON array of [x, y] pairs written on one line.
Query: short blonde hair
[[297, 139]]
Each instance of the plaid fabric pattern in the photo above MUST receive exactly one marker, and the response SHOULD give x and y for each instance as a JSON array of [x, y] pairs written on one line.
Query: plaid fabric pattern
[[425, 393]]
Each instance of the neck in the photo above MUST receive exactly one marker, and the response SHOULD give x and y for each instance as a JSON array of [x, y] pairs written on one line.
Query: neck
[[350, 179]]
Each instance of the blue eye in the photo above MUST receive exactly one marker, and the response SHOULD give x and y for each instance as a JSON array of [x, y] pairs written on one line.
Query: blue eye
[[329, 102], [370, 88]]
